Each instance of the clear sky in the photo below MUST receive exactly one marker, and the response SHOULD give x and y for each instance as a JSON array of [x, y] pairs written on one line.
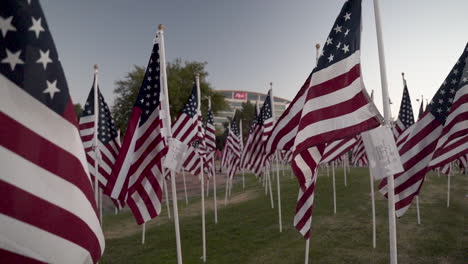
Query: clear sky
[[248, 43]]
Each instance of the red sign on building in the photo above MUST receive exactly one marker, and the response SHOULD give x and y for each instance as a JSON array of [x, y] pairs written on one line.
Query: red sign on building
[[239, 95]]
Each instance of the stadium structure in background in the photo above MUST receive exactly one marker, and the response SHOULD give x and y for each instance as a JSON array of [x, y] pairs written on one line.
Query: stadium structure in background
[[235, 98]]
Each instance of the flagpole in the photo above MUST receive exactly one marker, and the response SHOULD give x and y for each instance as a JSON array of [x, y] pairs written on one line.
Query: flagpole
[[100, 205], [173, 183], [334, 187], [242, 151], [166, 193], [214, 190], [448, 184], [96, 131], [202, 180], [374, 237], [269, 187], [208, 187], [143, 231], [418, 216], [386, 108], [344, 171], [185, 186], [272, 102]]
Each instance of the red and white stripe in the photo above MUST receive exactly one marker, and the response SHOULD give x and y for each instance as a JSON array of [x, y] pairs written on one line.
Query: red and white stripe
[[185, 128], [285, 130], [336, 149], [336, 105], [305, 166], [359, 156], [48, 212], [108, 152]]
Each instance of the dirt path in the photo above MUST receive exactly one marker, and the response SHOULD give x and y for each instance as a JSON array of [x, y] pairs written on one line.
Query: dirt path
[[127, 226]]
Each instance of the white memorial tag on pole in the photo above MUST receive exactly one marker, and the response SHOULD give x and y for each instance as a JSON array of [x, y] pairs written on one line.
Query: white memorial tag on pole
[[382, 152], [175, 155]]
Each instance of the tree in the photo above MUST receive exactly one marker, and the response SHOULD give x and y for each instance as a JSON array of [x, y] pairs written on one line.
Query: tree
[[78, 110], [180, 80], [247, 114]]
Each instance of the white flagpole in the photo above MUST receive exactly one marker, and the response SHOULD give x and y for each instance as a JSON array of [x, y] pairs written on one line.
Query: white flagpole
[[166, 194], [100, 205], [272, 102], [96, 131], [185, 186], [227, 189], [208, 187], [387, 113], [271, 193], [334, 187], [202, 180], [242, 151], [328, 170], [168, 119], [417, 210], [344, 171], [306, 261], [214, 191], [374, 237], [448, 185], [143, 231]]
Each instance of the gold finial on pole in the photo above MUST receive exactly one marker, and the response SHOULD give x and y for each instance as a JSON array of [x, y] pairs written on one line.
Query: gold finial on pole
[[317, 46], [161, 27]]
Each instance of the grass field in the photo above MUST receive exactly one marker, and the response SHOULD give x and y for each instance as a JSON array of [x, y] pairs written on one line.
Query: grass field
[[247, 231]]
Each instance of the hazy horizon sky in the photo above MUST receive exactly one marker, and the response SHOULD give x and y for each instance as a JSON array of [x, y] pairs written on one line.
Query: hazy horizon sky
[[248, 44]]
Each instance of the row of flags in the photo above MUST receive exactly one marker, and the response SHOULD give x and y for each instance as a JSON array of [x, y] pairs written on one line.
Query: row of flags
[[41, 137]]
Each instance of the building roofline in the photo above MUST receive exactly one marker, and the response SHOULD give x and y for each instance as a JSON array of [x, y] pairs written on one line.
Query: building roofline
[[252, 92]]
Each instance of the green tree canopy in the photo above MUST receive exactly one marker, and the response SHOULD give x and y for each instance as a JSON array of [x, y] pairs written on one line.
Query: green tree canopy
[[181, 78], [78, 110]]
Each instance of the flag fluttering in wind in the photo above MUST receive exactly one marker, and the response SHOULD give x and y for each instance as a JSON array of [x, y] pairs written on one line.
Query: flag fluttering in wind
[[359, 156], [336, 104], [336, 149], [209, 141], [439, 137], [47, 212], [405, 115], [232, 148], [109, 145], [187, 126], [137, 176], [254, 155]]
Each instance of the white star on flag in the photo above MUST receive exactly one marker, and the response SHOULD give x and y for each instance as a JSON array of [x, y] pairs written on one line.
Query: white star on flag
[[5, 25], [51, 89], [13, 59], [36, 26]]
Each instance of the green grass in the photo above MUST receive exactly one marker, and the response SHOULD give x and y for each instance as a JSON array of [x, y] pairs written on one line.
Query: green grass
[[247, 232]]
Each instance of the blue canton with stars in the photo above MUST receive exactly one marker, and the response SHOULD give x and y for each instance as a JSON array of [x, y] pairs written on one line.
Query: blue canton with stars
[[148, 98], [345, 36], [235, 126], [254, 122], [457, 78], [406, 115], [265, 112], [106, 127], [28, 56], [209, 118], [191, 106]]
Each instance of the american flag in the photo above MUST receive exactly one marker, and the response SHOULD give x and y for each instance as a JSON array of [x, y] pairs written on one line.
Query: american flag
[[210, 137], [48, 212], [210, 141], [137, 174], [285, 155], [337, 149], [109, 145], [285, 130], [439, 137], [336, 104], [261, 129], [191, 162], [421, 109], [245, 159], [359, 156], [187, 126], [405, 116], [233, 148], [463, 163]]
